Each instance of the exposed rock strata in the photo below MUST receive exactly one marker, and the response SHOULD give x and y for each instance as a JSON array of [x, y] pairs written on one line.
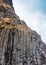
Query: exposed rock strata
[[19, 45]]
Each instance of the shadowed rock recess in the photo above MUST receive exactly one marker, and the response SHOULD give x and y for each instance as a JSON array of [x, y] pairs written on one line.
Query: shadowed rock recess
[[19, 45]]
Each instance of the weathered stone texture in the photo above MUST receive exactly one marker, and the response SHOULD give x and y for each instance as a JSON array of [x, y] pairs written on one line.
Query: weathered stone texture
[[19, 45]]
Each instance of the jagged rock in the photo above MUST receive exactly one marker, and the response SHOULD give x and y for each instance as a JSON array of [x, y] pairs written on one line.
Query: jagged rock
[[19, 45], [8, 1]]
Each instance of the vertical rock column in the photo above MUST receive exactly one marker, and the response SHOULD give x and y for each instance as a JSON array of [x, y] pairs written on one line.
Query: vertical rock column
[[8, 54]]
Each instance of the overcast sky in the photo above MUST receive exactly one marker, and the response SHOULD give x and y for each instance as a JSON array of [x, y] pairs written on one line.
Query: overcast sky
[[33, 12]]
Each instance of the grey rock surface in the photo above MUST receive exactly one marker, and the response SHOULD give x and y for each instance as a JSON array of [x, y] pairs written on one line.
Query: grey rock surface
[[19, 45]]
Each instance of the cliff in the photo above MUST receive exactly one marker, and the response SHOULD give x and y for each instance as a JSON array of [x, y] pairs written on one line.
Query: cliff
[[19, 45]]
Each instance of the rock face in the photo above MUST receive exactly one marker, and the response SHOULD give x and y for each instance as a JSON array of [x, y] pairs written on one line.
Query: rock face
[[19, 45], [8, 1]]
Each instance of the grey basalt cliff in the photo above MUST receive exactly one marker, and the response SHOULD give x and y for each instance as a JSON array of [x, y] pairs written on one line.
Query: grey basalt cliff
[[19, 45]]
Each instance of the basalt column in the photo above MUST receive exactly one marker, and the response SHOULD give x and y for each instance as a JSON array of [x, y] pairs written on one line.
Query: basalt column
[[8, 54]]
